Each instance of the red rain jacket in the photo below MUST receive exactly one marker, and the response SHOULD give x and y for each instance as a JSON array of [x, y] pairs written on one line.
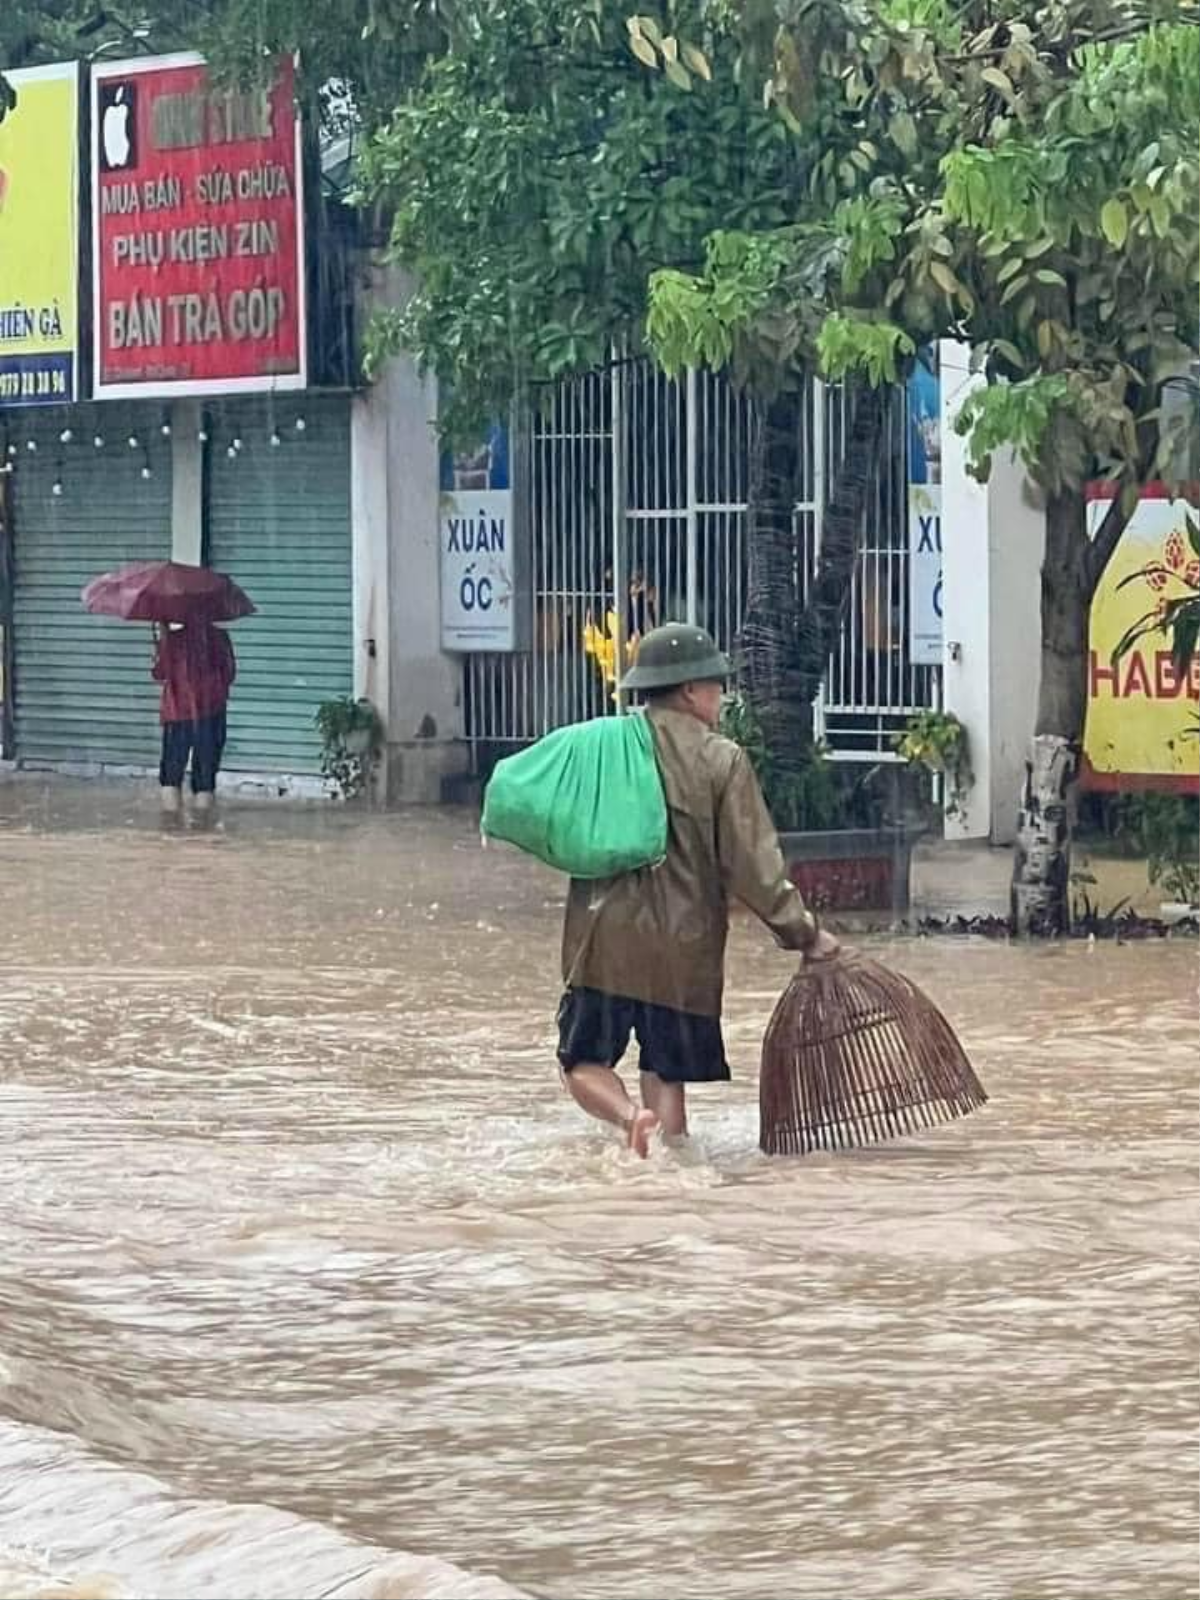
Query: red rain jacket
[[196, 668]]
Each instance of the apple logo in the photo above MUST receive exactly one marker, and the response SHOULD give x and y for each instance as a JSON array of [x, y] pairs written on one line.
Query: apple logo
[[118, 125], [116, 131]]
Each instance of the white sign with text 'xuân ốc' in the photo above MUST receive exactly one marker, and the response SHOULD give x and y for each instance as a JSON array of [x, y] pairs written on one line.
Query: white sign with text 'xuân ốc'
[[478, 546], [478, 580]]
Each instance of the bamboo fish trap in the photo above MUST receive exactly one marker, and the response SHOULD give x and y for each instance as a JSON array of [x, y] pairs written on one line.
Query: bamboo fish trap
[[855, 1054]]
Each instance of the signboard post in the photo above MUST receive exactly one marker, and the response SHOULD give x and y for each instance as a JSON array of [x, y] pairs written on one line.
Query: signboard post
[[478, 547], [39, 238], [198, 232], [1141, 718], [924, 513]]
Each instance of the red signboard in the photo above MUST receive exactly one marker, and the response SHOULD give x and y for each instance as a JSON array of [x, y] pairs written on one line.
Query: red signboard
[[197, 232]]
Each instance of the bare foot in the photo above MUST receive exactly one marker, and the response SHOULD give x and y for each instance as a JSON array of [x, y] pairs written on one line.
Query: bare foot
[[641, 1129]]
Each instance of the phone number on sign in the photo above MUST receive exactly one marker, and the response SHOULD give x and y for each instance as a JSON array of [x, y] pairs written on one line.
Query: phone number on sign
[[33, 386]]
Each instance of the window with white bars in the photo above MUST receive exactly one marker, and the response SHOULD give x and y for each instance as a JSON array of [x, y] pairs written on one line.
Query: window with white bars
[[637, 500]]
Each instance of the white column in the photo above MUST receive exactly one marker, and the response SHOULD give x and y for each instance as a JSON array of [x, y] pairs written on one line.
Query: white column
[[369, 546], [1016, 549], [993, 539], [414, 684], [425, 681], [187, 479], [966, 647]]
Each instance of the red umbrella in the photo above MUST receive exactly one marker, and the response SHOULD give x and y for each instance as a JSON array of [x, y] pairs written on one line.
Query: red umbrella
[[167, 591]]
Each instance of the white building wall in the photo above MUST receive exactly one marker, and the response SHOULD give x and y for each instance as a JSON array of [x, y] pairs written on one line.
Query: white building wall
[[399, 663], [1016, 547], [371, 563], [993, 537], [966, 646]]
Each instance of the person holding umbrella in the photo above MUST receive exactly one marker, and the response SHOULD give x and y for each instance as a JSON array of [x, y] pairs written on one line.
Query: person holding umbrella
[[193, 661]]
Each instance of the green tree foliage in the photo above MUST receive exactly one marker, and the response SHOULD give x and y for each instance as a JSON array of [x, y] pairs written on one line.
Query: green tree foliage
[[376, 48], [527, 173], [1023, 179], [36, 31], [538, 175]]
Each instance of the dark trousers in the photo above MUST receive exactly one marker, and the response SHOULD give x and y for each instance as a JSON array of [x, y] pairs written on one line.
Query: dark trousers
[[204, 741]]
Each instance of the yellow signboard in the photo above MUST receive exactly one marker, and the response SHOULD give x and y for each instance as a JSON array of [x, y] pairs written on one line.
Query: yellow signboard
[[1141, 723], [39, 238]]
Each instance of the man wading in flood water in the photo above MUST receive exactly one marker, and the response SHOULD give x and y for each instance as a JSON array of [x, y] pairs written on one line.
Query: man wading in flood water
[[644, 954]]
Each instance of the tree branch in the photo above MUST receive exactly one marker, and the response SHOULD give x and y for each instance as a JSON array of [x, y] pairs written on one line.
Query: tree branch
[[1108, 536], [1062, 49], [1116, 518]]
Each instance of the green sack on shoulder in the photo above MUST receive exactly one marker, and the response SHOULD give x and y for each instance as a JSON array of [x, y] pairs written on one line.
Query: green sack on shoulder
[[587, 799]]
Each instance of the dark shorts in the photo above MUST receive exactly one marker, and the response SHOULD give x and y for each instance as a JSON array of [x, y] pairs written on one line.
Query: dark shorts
[[202, 740], [676, 1046]]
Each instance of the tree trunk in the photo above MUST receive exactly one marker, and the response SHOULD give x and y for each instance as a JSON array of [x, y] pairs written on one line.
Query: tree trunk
[[1041, 865], [841, 536], [784, 647], [767, 642]]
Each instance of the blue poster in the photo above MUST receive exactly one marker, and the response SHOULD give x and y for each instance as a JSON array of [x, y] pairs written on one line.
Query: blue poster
[[924, 419], [925, 511], [479, 466]]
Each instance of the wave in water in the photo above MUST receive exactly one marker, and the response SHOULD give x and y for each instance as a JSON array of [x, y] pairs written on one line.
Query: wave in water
[[74, 1528]]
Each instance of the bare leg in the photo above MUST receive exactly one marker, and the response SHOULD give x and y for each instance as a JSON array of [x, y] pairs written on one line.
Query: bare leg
[[600, 1092], [667, 1101]]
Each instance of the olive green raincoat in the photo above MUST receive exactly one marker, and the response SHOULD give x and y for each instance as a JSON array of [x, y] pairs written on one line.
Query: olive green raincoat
[[658, 935]]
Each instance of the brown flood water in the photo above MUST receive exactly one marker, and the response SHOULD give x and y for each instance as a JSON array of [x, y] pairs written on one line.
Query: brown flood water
[[311, 1280]]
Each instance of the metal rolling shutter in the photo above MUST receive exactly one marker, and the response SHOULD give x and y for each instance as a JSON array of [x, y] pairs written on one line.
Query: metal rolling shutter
[[279, 522], [83, 686]]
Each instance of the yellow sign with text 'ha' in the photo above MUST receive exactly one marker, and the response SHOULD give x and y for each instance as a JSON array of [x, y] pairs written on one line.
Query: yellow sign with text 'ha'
[[1142, 713]]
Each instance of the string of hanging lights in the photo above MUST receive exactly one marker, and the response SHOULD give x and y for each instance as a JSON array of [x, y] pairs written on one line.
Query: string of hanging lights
[[238, 444]]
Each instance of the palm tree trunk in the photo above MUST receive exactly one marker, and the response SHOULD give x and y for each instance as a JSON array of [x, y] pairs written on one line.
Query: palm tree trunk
[[767, 644], [784, 646], [841, 537]]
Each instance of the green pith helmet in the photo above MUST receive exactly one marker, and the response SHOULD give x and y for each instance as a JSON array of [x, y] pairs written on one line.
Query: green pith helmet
[[676, 653]]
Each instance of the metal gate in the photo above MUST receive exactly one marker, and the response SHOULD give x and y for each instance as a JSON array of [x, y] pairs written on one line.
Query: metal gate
[[871, 685], [638, 490]]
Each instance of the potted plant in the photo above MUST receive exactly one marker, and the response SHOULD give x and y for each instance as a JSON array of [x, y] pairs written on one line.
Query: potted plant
[[936, 743], [351, 740]]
